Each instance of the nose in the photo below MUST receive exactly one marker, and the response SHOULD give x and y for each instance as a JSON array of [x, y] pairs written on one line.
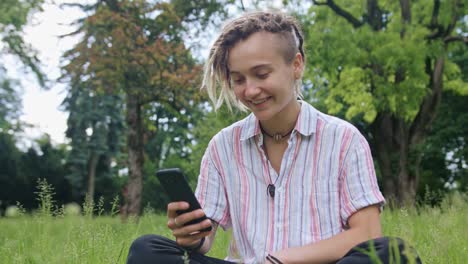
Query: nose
[[251, 88]]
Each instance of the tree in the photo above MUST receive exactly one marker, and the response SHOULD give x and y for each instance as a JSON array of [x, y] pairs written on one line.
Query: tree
[[13, 16], [134, 49], [20, 171], [384, 65], [9, 101], [9, 157], [44, 161], [95, 127], [445, 152]]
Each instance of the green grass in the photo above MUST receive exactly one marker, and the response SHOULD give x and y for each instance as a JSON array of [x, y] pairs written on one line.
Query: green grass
[[439, 234]]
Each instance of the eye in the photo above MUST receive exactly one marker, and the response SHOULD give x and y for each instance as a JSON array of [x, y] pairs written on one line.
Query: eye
[[263, 75], [237, 81]]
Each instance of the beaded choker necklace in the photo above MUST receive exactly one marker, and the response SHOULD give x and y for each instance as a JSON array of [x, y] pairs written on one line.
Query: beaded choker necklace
[[276, 137]]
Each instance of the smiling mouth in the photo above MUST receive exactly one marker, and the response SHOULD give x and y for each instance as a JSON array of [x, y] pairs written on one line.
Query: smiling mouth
[[257, 102]]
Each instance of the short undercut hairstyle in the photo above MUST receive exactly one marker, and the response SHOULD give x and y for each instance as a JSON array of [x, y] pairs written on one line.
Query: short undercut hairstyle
[[216, 73]]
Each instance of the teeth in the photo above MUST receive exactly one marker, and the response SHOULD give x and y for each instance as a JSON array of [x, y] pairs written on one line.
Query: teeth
[[260, 101]]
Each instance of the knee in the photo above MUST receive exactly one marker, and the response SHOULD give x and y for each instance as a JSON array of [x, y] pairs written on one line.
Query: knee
[[149, 247], [383, 250], [143, 243]]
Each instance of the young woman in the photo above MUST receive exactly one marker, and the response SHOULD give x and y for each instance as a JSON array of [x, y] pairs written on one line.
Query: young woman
[[294, 185]]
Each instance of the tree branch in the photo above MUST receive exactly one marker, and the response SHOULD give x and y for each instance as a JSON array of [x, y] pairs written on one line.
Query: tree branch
[[453, 22], [435, 14], [341, 12], [428, 108], [439, 29], [456, 38], [242, 5]]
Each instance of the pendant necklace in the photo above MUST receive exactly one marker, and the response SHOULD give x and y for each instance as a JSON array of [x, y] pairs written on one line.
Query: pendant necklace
[[277, 138], [271, 186], [271, 190]]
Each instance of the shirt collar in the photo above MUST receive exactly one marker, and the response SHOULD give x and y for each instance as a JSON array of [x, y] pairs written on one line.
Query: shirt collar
[[306, 122]]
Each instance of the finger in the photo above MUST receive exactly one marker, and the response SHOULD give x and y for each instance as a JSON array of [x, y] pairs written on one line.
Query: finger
[[187, 217], [173, 224], [189, 241], [182, 219], [191, 229], [173, 207], [170, 224]]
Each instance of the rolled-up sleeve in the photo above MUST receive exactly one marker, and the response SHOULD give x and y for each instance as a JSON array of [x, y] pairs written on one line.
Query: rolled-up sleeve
[[211, 191], [359, 187]]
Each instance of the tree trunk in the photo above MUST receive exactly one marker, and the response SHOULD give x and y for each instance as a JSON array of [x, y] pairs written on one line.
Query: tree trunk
[[395, 159], [375, 15], [406, 179], [92, 175], [382, 130], [135, 156]]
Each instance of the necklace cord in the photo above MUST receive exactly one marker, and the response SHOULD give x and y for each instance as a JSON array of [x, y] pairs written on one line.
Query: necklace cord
[[277, 136]]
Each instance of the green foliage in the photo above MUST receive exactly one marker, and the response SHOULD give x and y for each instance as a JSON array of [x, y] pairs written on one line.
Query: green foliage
[[445, 153], [14, 15], [133, 50], [20, 171], [385, 67], [181, 143], [9, 102], [125, 49], [43, 161], [360, 67], [427, 227], [45, 195], [9, 158], [16, 12], [95, 127]]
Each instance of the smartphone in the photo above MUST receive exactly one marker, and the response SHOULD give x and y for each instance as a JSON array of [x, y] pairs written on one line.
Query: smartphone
[[177, 188]]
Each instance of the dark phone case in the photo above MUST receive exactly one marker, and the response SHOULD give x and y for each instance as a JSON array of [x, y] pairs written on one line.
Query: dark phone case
[[177, 188]]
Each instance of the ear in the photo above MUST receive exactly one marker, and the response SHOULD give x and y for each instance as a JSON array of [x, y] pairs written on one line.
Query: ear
[[298, 65]]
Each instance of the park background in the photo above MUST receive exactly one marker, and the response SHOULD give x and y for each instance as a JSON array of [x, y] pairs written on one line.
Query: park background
[[395, 69]]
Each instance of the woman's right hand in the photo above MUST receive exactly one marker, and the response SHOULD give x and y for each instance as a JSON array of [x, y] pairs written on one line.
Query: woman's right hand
[[186, 236]]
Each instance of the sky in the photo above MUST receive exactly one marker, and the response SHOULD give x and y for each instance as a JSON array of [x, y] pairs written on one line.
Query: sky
[[41, 106]]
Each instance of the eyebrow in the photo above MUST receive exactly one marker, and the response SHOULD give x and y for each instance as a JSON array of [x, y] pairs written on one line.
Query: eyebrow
[[256, 67]]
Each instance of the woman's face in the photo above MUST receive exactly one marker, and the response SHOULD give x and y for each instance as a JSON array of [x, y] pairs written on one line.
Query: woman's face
[[261, 78]]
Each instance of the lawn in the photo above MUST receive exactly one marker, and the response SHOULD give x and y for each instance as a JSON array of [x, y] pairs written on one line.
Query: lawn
[[439, 234]]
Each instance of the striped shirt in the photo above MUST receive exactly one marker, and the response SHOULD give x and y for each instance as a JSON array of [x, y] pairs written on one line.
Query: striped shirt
[[326, 175]]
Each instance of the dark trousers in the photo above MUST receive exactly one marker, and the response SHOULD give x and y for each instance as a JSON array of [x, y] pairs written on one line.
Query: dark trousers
[[150, 249]]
